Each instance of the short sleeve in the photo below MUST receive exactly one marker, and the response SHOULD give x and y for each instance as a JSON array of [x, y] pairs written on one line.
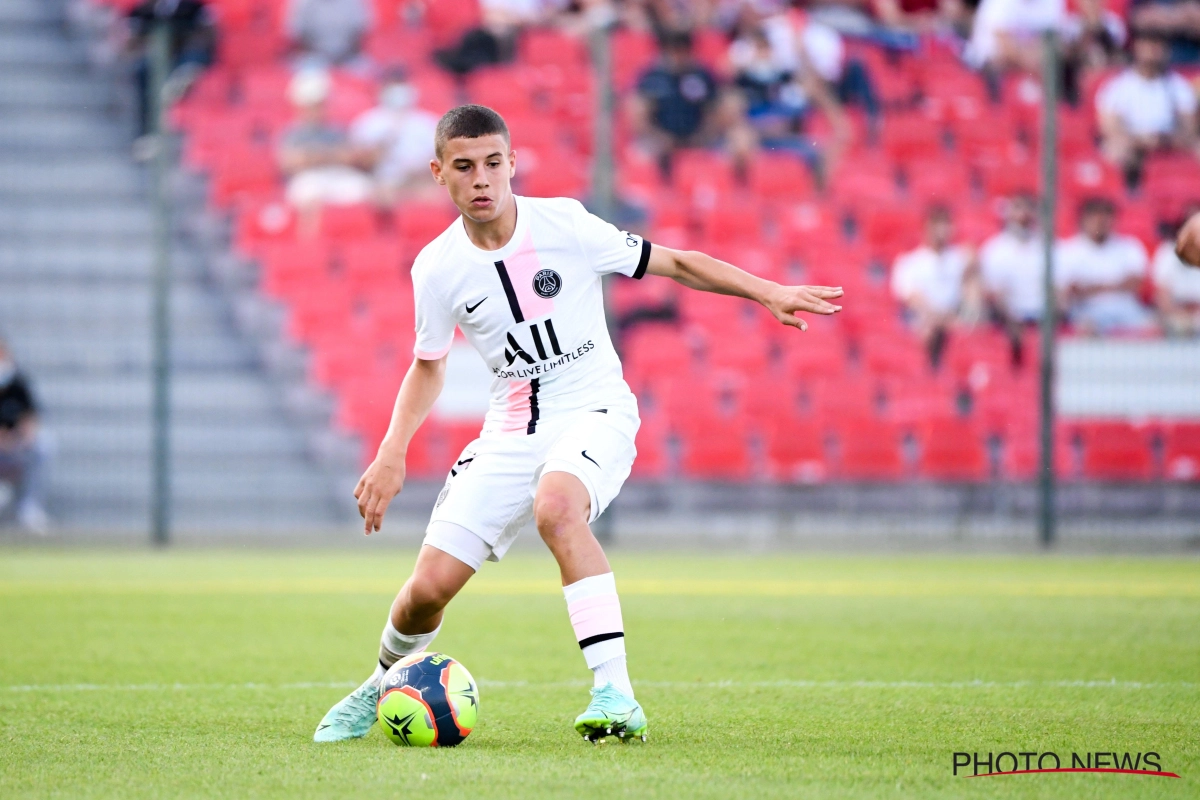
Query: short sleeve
[[902, 277], [1138, 260], [1165, 262], [1184, 98], [1064, 264], [609, 250], [1106, 100], [435, 326]]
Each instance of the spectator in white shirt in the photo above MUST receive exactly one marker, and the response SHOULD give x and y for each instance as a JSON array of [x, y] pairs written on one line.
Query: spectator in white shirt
[[1099, 274], [1013, 265], [328, 33], [396, 140], [1177, 290], [936, 283], [1005, 33], [1146, 108]]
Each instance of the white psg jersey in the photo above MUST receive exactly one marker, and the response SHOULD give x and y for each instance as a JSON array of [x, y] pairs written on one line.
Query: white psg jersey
[[533, 309]]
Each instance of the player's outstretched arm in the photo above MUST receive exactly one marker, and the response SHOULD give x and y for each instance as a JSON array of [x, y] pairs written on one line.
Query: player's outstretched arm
[[703, 272], [384, 479]]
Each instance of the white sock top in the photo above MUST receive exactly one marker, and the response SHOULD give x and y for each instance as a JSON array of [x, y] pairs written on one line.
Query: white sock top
[[590, 587]]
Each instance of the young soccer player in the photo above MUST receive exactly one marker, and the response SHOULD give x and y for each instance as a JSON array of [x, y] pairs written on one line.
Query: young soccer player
[[521, 277]]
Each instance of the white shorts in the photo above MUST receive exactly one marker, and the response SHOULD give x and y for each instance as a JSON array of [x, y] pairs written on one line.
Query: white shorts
[[490, 490]]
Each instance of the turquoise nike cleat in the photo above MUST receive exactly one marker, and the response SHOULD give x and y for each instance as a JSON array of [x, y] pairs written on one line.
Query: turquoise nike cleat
[[351, 718], [611, 712]]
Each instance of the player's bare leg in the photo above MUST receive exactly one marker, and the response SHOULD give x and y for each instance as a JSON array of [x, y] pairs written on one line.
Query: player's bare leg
[[561, 510], [412, 625]]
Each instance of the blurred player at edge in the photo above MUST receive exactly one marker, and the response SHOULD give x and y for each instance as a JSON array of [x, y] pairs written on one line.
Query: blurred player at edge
[[521, 277], [1187, 246]]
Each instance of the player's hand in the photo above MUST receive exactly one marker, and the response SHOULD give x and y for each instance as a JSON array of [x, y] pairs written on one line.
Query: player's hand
[[1187, 246], [382, 481], [785, 301]]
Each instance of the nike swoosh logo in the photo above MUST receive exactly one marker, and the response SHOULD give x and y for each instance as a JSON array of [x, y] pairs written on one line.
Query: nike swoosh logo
[[322, 727], [471, 308], [589, 458]]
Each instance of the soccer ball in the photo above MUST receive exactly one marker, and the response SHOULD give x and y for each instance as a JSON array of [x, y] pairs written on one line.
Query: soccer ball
[[428, 700]]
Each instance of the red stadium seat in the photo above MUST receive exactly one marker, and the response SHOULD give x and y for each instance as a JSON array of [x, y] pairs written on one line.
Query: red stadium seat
[[1021, 450], [780, 177], [651, 462], [734, 222], [1115, 451], [715, 448], [288, 268], [796, 451], [320, 308], [348, 222], [952, 450], [911, 137], [423, 222], [243, 170], [632, 53], [548, 47], [869, 450], [938, 181], [1181, 454], [263, 223], [891, 229], [366, 263]]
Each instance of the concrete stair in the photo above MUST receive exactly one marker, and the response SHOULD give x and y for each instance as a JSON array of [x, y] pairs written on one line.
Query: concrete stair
[[75, 304]]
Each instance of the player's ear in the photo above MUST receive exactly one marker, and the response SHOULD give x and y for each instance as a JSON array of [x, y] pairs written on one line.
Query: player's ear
[[435, 167], [512, 163]]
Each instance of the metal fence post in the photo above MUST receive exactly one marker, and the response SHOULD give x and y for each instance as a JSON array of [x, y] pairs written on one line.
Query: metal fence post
[[1047, 512], [160, 462]]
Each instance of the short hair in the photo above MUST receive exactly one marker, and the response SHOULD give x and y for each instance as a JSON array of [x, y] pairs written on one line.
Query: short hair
[[468, 122], [938, 212], [1097, 205], [677, 39], [1148, 35]]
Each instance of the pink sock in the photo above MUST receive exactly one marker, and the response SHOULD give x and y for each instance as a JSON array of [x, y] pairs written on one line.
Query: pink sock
[[595, 612]]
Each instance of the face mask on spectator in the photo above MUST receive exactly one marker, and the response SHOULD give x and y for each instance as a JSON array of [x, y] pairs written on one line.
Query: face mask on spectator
[[398, 97]]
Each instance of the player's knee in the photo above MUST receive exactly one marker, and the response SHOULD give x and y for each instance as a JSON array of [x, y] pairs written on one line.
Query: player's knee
[[426, 597], [556, 513]]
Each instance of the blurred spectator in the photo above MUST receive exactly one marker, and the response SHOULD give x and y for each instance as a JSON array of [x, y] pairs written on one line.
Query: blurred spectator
[[396, 140], [678, 104], [495, 41], [1099, 274], [913, 15], [1177, 290], [815, 54], [1099, 34], [788, 67], [1178, 21], [316, 156], [327, 33], [936, 283], [193, 39], [23, 446], [1012, 266], [1145, 108], [1187, 244], [1005, 34]]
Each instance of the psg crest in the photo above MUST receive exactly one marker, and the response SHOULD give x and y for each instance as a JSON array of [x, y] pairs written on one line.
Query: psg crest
[[547, 283]]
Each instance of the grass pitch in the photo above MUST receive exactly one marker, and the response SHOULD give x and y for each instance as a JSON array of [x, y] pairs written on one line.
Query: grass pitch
[[201, 673]]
